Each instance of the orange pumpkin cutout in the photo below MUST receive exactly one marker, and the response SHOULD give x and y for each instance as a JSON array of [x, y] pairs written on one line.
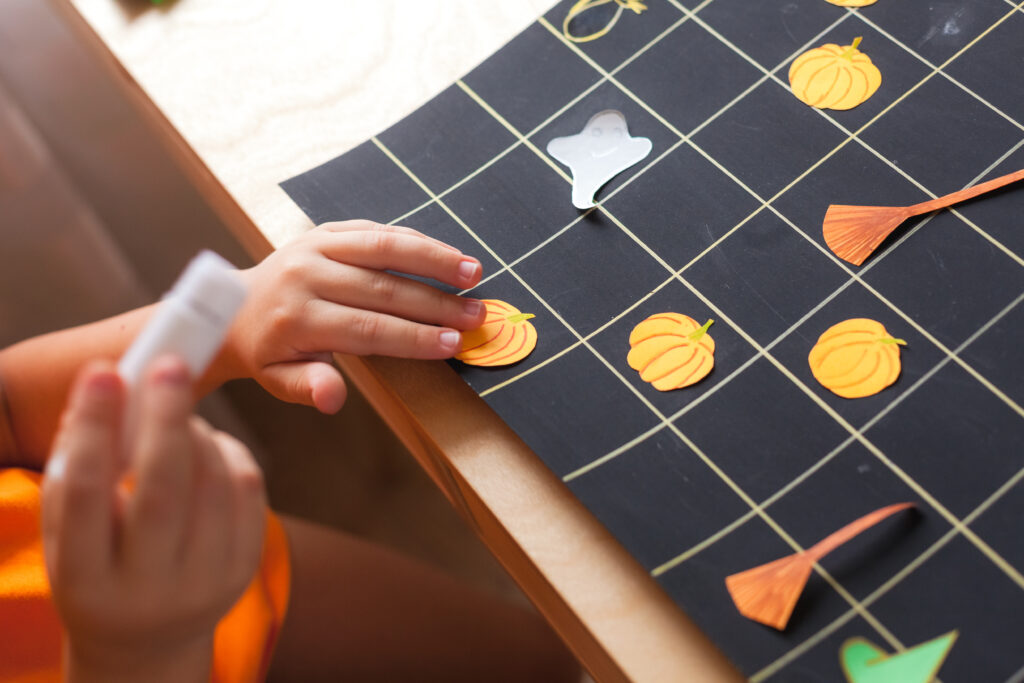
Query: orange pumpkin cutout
[[506, 337], [856, 358], [834, 77], [852, 3], [671, 351]]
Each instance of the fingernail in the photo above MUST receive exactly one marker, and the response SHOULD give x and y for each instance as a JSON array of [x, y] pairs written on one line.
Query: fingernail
[[468, 269], [451, 340], [472, 308], [56, 464], [170, 370], [102, 384]]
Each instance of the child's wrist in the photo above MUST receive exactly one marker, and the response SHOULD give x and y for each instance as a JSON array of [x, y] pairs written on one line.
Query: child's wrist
[[182, 662]]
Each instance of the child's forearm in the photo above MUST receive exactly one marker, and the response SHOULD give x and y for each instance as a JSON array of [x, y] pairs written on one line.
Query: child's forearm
[[35, 376]]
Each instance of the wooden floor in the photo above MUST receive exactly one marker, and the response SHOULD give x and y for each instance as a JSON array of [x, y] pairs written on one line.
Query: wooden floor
[[94, 220]]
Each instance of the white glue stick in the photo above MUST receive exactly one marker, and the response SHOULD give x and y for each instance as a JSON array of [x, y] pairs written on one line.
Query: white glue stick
[[191, 321]]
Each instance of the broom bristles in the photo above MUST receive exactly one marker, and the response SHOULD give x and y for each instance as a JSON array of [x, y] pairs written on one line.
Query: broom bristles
[[854, 232]]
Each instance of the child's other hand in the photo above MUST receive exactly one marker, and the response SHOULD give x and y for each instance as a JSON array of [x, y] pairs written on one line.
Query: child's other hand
[[328, 291], [141, 577]]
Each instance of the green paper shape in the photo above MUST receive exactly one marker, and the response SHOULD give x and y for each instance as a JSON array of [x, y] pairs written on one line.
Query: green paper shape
[[864, 662]]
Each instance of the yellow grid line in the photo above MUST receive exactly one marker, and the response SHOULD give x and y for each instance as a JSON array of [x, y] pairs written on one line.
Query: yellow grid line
[[888, 162], [690, 552], [987, 550], [856, 607], [893, 581], [739, 491], [996, 559]]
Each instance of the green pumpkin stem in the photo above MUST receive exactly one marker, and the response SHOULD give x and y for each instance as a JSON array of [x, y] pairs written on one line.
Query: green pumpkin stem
[[519, 317], [697, 334], [853, 48], [890, 340]]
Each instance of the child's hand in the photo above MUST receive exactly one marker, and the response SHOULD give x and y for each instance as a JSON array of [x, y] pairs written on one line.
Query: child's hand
[[141, 577], [328, 291]]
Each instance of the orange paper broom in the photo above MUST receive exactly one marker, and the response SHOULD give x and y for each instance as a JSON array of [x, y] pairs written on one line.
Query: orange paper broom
[[767, 594], [854, 232]]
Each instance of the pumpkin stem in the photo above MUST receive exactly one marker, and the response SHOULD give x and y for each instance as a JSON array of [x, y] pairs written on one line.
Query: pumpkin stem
[[853, 48], [519, 317], [697, 334], [890, 340]]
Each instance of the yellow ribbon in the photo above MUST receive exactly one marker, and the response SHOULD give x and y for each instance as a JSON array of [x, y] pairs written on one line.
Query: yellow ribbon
[[583, 5]]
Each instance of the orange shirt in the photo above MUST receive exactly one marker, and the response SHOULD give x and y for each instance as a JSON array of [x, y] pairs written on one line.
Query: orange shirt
[[30, 630]]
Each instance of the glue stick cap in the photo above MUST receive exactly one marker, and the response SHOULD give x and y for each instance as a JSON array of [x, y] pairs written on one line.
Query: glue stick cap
[[210, 285], [191, 321]]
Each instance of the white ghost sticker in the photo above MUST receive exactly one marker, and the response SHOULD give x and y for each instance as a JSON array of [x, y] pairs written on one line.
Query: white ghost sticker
[[597, 154]]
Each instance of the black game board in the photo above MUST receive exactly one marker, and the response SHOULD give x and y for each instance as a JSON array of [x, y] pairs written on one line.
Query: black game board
[[723, 221]]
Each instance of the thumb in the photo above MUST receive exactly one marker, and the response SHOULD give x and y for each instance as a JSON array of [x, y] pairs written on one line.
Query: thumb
[[312, 383]]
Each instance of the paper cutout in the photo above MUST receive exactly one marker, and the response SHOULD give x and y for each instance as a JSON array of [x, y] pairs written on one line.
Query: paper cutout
[[864, 662], [834, 77], [671, 351], [852, 3], [583, 5], [856, 358], [597, 154], [854, 232], [767, 594], [505, 337]]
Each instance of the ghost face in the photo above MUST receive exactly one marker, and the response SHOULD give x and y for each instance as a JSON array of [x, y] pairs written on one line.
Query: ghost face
[[604, 133]]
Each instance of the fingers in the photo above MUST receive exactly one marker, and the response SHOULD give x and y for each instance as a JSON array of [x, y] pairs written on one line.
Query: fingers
[[375, 290], [163, 456], [248, 496], [402, 252], [361, 332], [78, 490], [311, 383], [364, 225], [209, 541]]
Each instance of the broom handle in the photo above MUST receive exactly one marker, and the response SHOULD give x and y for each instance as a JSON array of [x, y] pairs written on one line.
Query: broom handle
[[853, 529], [964, 195]]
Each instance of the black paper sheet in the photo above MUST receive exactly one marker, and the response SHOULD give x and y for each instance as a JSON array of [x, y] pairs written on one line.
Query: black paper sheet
[[723, 221]]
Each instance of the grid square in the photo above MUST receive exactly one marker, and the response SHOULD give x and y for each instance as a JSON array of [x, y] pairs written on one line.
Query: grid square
[[552, 336], [731, 350], [363, 183], [629, 35], [993, 66], [996, 213], [771, 31], [852, 176], [435, 222], [959, 279], [957, 587], [640, 123], [918, 357], [692, 61], [765, 276], [590, 292], [996, 354], [520, 83], [571, 409], [658, 498], [446, 139], [514, 204], [901, 71], [859, 484], [749, 645], [999, 526], [769, 141], [761, 430], [954, 437], [943, 147], [939, 29], [682, 205]]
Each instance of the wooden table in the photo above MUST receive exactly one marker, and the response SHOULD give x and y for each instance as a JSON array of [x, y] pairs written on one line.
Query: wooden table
[[247, 94]]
